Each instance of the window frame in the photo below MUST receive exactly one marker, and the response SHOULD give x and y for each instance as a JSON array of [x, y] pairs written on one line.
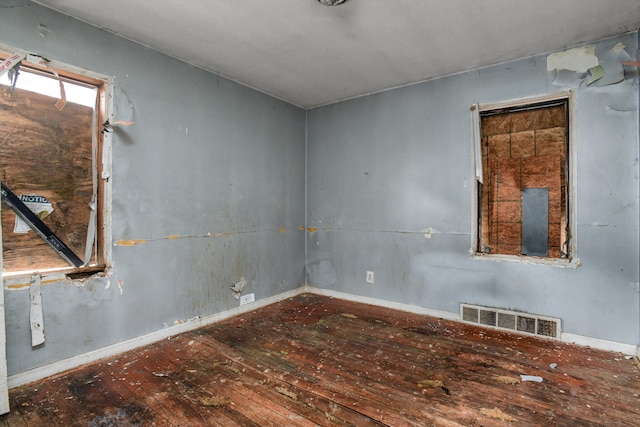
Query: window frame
[[104, 105], [572, 259]]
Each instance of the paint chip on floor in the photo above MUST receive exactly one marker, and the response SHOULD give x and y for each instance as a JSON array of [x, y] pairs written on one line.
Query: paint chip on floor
[[533, 378]]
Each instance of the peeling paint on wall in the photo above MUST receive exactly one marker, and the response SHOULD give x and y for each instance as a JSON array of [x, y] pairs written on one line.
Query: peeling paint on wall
[[585, 66], [578, 59], [619, 47], [611, 63], [567, 79], [80, 282], [429, 233], [44, 30], [238, 287], [596, 73]]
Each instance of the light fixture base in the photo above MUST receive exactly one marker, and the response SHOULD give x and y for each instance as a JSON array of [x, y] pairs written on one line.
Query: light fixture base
[[331, 2]]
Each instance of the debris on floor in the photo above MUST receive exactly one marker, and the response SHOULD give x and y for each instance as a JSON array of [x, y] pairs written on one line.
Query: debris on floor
[[497, 414], [533, 378], [301, 362], [430, 384], [507, 380]]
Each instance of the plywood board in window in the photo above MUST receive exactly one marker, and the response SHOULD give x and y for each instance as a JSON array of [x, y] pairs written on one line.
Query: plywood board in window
[[46, 152]]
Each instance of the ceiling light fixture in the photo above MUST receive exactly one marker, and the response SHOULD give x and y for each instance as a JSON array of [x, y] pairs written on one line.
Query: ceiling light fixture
[[331, 2]]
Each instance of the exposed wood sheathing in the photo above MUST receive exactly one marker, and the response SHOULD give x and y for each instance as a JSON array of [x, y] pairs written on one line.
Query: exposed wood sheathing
[[45, 152], [524, 149]]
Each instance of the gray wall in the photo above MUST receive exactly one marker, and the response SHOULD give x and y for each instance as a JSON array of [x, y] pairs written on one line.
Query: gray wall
[[209, 156], [383, 169], [206, 155]]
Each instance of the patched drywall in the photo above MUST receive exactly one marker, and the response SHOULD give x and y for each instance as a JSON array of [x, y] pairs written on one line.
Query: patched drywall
[[384, 170], [203, 185]]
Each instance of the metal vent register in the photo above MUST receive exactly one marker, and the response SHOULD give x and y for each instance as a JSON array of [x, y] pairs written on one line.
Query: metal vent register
[[533, 324]]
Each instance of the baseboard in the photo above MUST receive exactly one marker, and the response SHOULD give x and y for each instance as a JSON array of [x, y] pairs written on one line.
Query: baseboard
[[54, 368], [600, 344], [384, 303]]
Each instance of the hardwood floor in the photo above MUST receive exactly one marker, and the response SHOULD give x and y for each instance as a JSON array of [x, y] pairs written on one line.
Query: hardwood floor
[[313, 360]]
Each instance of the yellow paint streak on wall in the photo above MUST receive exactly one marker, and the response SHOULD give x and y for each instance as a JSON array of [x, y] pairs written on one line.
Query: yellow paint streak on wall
[[130, 242], [309, 229], [282, 230], [28, 284]]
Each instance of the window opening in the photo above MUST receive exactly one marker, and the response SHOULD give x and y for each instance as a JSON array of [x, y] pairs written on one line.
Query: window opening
[[76, 92], [523, 193], [49, 157]]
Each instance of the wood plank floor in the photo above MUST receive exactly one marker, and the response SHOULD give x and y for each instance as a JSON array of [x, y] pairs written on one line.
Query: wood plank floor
[[313, 360]]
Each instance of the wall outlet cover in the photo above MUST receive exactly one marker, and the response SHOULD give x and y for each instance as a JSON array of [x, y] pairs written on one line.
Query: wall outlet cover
[[369, 277], [248, 298]]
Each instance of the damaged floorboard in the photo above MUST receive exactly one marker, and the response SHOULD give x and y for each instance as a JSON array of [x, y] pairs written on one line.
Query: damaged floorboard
[[314, 360]]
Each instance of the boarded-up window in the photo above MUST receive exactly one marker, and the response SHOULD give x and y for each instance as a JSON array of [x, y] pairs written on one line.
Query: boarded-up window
[[48, 154], [523, 197]]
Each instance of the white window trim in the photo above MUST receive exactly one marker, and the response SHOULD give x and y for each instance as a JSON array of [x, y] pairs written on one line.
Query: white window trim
[[106, 102], [475, 111]]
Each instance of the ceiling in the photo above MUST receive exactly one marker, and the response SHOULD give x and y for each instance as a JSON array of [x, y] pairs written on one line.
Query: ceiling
[[309, 54]]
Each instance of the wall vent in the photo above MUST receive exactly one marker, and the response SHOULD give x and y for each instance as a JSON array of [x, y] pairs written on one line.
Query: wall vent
[[533, 324]]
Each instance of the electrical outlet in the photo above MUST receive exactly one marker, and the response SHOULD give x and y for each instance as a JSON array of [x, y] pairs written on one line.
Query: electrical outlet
[[370, 277], [246, 299]]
